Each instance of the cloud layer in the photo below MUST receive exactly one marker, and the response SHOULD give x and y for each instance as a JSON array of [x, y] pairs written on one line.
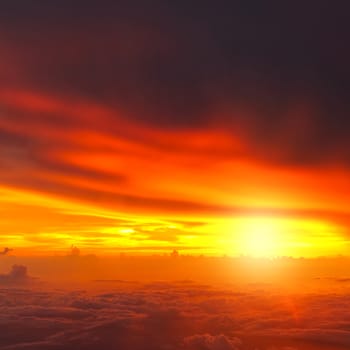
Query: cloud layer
[[177, 315]]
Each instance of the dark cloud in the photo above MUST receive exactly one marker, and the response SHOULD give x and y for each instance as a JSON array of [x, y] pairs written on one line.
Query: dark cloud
[[284, 67]]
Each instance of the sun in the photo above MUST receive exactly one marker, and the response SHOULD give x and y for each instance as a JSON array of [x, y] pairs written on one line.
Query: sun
[[259, 237], [277, 236]]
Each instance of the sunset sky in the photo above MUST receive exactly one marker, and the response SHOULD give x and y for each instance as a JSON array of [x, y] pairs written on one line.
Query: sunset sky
[[219, 130], [174, 175]]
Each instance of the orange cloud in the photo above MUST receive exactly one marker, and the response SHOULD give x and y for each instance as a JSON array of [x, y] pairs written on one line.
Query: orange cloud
[[78, 152]]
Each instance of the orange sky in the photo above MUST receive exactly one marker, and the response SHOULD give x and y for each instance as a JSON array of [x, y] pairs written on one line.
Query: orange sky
[[125, 186], [143, 130], [174, 175]]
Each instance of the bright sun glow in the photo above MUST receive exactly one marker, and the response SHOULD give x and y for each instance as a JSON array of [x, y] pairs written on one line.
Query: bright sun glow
[[260, 237], [271, 237]]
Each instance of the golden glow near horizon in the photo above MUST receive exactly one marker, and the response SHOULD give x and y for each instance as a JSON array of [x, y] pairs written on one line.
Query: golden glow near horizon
[[54, 225]]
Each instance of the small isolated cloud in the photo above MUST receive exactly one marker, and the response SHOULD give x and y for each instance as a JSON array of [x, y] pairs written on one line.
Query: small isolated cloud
[[175, 254], [212, 342], [75, 251], [18, 274], [6, 251]]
